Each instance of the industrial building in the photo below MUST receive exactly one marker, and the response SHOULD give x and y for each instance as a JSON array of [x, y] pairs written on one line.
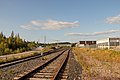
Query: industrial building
[[109, 43], [88, 44]]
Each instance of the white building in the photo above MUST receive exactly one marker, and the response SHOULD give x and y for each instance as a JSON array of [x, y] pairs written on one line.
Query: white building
[[109, 43]]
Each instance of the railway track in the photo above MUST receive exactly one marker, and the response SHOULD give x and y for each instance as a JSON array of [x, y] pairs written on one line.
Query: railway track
[[10, 63], [64, 72], [50, 70]]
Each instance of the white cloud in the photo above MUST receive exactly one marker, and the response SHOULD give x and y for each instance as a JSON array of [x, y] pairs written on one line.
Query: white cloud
[[92, 34], [113, 20], [50, 25], [29, 27]]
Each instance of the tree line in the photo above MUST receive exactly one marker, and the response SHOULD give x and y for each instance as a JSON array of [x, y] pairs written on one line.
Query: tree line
[[14, 44]]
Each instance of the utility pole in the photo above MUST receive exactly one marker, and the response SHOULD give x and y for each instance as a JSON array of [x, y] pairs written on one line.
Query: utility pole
[[42, 50], [44, 39]]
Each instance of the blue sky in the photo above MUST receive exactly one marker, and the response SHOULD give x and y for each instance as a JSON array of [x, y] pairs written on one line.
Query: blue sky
[[63, 20]]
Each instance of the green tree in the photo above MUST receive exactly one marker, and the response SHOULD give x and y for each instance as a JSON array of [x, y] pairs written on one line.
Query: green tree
[[14, 44], [12, 34], [7, 51]]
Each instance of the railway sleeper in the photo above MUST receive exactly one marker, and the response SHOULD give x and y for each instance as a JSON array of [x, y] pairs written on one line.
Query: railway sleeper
[[45, 73], [38, 79], [42, 76]]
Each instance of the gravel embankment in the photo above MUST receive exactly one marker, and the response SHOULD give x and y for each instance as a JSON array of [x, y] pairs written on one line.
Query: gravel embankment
[[8, 73], [75, 69]]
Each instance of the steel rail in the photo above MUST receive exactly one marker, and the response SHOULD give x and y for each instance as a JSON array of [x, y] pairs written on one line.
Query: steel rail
[[61, 65]]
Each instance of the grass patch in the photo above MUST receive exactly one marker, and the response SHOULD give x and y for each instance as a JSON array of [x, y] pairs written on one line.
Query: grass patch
[[81, 60], [12, 58], [1, 72], [44, 58], [11, 71], [97, 62], [105, 55], [101, 54]]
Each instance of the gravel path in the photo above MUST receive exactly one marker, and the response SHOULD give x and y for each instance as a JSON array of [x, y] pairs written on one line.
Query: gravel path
[[75, 70], [10, 72]]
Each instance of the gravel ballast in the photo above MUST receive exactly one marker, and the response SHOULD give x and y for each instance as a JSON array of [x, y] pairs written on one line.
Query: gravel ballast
[[8, 73], [75, 69]]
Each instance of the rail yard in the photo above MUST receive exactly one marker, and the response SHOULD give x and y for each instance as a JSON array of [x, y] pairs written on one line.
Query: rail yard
[[52, 65]]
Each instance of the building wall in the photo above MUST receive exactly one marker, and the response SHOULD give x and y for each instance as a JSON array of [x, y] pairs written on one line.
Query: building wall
[[103, 43], [88, 44], [108, 43]]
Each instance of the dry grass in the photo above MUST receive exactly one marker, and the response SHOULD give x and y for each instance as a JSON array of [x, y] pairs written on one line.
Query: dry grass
[[46, 49], [11, 58], [99, 64], [103, 55]]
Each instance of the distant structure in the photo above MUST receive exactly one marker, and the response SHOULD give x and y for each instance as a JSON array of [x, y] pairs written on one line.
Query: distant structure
[[87, 44], [109, 43], [64, 44]]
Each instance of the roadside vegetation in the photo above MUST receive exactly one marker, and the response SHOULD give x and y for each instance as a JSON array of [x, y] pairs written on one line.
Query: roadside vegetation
[[24, 55], [19, 56], [14, 44], [97, 64]]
